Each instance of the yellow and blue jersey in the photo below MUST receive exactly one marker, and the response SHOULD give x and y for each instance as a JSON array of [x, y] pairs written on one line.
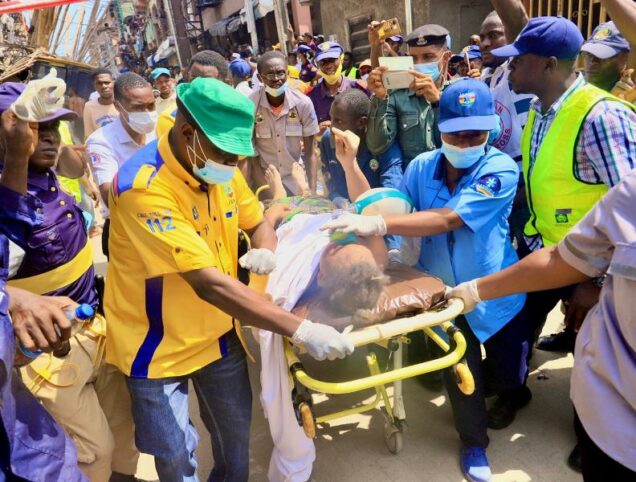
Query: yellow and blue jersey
[[165, 222]]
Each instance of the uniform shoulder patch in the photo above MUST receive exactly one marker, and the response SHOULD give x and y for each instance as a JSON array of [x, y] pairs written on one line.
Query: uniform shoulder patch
[[145, 174], [488, 185]]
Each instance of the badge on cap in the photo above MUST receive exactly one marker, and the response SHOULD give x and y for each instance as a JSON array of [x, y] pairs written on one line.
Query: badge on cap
[[602, 34], [325, 46], [421, 40], [467, 99], [374, 164]]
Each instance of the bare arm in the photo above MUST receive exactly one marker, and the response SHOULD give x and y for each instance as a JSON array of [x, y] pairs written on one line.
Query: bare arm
[[311, 162], [513, 16], [424, 223], [19, 139], [623, 12], [241, 302], [104, 191], [542, 270], [263, 236], [71, 163]]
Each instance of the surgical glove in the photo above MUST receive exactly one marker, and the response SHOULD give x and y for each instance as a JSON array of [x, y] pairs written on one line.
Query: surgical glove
[[41, 98], [357, 224], [467, 292], [322, 341], [259, 261]]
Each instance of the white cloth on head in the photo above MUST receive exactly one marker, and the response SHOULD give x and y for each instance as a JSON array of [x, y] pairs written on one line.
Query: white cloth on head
[[300, 247]]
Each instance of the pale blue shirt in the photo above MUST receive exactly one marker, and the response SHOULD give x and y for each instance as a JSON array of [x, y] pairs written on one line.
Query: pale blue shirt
[[483, 199]]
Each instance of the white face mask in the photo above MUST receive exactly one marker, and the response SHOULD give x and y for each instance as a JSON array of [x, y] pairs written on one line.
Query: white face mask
[[142, 122], [463, 157], [212, 172]]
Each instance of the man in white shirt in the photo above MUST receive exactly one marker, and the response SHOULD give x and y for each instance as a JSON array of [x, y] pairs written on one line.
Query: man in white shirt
[[112, 145]]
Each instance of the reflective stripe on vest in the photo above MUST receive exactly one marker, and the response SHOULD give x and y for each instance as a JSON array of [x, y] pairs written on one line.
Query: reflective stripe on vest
[[556, 198], [59, 277]]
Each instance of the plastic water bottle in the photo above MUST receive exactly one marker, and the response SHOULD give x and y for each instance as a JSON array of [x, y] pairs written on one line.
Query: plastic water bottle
[[79, 315]]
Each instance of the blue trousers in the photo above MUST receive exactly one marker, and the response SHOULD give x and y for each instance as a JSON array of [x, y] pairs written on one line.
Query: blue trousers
[[504, 370], [163, 427]]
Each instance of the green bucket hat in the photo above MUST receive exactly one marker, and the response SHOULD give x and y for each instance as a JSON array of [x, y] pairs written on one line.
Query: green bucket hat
[[225, 115]]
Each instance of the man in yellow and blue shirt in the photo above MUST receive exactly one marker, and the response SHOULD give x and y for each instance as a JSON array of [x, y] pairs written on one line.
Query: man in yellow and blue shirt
[[172, 295]]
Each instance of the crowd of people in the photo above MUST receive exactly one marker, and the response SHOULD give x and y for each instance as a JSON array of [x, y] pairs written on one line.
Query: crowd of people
[[517, 154]]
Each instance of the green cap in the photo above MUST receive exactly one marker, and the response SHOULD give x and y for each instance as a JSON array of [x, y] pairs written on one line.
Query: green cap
[[225, 115]]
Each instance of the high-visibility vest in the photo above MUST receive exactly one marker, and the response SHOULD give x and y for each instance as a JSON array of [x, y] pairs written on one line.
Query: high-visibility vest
[[353, 73], [556, 198]]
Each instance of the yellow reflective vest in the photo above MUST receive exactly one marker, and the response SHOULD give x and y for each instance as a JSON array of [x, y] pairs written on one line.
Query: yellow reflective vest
[[556, 198]]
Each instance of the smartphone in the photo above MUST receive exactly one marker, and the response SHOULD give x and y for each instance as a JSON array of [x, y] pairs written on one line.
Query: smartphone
[[388, 28], [400, 79], [396, 63]]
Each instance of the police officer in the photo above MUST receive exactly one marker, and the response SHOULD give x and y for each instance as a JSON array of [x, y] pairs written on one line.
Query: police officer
[[408, 116], [463, 193]]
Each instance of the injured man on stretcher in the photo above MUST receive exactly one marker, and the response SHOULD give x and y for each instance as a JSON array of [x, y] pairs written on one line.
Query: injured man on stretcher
[[329, 279]]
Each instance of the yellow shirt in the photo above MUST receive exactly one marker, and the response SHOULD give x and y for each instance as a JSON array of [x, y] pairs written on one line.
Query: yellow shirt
[[293, 72], [166, 119], [165, 222]]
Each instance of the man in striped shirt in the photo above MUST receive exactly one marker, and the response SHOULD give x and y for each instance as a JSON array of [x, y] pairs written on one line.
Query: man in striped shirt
[[579, 142]]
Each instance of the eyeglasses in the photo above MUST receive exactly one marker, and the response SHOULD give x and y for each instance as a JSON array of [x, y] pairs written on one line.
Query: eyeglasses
[[281, 74]]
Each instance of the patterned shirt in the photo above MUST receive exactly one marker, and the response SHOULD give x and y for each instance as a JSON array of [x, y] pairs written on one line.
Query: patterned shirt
[[606, 148]]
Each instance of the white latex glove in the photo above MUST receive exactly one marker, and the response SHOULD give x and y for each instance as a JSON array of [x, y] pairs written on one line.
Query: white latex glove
[[467, 292], [259, 261], [41, 98], [357, 224], [322, 341]]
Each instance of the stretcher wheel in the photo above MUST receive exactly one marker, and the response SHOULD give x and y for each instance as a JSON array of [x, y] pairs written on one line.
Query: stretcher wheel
[[394, 442], [307, 418], [465, 380]]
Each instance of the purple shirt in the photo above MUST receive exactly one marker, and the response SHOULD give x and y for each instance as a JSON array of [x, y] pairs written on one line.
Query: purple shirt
[[35, 447], [57, 240], [322, 99]]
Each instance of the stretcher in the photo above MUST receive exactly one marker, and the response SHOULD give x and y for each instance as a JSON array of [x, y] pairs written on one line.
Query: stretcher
[[392, 335]]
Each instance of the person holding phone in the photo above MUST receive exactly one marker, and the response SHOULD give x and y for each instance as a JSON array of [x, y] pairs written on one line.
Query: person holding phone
[[409, 116]]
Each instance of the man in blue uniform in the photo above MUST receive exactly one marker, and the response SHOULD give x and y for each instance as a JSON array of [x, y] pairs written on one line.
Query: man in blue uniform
[[463, 193]]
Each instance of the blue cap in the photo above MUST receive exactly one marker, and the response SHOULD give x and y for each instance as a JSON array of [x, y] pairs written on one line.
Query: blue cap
[[467, 105], [474, 52], [303, 49], [9, 93], [546, 37], [396, 38], [240, 68], [159, 71], [84, 312], [606, 42], [328, 50]]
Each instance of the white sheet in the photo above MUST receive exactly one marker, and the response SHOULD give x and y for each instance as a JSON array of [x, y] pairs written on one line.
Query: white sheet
[[300, 247]]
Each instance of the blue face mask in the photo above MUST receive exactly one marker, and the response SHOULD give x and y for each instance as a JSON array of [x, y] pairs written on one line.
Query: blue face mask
[[212, 172], [463, 157], [429, 68], [276, 92]]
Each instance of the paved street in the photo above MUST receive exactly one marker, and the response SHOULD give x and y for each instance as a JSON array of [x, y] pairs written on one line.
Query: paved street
[[533, 448]]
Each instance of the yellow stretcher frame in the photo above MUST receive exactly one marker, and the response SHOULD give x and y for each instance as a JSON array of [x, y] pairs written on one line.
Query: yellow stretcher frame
[[392, 335]]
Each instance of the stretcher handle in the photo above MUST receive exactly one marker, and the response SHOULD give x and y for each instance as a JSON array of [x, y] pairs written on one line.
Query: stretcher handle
[[402, 326], [338, 388]]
